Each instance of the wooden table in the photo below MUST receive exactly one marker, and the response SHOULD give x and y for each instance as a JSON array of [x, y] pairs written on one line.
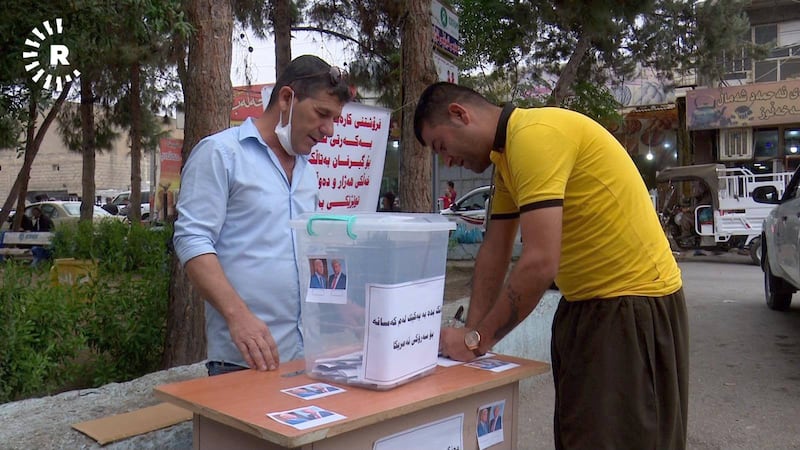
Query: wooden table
[[230, 410]]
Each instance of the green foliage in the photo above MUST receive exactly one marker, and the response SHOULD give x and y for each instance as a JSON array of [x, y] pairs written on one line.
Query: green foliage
[[38, 339], [127, 322], [375, 25], [530, 39], [596, 102], [721, 39], [111, 328], [495, 33]]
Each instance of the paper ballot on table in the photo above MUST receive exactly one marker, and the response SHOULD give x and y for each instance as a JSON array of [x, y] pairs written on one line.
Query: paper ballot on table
[[402, 329]]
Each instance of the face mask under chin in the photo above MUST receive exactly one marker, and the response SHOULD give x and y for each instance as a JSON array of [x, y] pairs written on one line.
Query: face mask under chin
[[284, 132]]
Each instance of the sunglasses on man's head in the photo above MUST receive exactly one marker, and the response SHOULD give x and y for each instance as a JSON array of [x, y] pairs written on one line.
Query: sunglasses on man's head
[[337, 75]]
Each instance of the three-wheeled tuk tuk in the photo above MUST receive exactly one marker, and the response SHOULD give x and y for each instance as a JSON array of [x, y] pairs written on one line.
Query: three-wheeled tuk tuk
[[711, 207]]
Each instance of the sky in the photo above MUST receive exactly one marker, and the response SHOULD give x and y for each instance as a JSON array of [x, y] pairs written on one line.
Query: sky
[[261, 62]]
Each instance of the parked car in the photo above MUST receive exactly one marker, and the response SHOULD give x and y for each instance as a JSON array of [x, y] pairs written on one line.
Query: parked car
[[471, 208], [780, 243], [61, 212], [120, 202]]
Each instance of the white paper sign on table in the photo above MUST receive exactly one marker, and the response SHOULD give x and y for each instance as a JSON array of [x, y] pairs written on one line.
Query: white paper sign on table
[[443, 434], [402, 329]]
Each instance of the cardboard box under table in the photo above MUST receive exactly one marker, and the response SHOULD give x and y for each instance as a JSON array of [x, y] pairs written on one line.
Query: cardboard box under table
[[229, 411], [372, 287]]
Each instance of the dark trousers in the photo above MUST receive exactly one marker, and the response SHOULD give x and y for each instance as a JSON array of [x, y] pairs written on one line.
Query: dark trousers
[[620, 369]]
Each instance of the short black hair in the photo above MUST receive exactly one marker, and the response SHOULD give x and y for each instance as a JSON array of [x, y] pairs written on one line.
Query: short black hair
[[451, 184], [308, 74], [433, 103]]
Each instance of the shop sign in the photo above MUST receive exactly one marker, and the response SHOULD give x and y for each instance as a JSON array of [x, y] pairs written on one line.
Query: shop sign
[[743, 106], [446, 70], [445, 30], [445, 19]]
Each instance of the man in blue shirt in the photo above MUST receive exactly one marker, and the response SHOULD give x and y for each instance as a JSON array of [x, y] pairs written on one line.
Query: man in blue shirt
[[239, 189]]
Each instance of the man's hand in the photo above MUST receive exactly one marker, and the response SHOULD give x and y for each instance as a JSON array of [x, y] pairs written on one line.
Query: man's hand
[[451, 343], [253, 339]]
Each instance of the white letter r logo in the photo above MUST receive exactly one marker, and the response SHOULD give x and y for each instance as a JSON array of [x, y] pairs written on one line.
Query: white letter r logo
[[58, 55]]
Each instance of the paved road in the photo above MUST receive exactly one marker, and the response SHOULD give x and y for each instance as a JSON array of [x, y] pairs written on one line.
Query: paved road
[[745, 365]]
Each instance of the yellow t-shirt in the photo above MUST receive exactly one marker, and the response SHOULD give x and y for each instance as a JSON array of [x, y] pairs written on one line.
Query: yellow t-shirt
[[612, 243]]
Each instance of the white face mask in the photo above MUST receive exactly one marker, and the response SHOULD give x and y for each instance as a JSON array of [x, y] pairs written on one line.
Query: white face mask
[[284, 132]]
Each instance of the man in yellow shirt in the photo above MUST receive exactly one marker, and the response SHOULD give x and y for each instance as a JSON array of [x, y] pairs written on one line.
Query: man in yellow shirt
[[620, 334]]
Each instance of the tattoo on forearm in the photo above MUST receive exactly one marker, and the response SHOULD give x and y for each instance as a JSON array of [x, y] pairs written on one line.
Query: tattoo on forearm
[[514, 299]]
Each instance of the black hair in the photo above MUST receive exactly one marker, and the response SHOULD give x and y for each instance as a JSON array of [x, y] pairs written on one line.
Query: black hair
[[308, 74], [433, 103]]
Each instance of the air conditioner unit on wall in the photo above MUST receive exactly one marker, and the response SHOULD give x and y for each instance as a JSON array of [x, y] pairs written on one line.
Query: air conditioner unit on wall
[[735, 143]]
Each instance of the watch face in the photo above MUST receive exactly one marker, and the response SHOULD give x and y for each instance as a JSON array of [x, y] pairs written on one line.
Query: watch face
[[472, 339]]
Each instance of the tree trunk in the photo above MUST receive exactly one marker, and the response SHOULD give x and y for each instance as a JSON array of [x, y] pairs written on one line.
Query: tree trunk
[[418, 72], [283, 38], [135, 210], [87, 148], [27, 163], [208, 93], [570, 72], [19, 189]]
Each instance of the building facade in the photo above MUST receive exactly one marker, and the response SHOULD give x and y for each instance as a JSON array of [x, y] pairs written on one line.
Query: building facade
[[752, 118], [57, 171]]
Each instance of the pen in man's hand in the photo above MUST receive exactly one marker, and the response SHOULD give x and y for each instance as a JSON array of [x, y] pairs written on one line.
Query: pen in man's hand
[[459, 312]]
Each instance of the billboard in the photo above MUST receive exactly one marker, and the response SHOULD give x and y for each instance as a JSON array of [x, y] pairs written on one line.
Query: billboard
[[743, 106]]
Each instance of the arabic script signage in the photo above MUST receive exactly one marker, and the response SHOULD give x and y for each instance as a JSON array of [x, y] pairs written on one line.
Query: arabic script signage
[[349, 164], [248, 102], [169, 182], [744, 106]]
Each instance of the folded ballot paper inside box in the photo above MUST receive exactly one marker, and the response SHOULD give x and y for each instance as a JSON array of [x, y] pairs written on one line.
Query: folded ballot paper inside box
[[372, 286]]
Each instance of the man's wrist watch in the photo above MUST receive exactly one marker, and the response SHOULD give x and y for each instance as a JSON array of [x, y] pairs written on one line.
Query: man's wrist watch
[[473, 341]]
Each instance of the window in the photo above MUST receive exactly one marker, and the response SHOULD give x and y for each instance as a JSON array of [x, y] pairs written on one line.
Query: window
[[791, 141], [782, 61], [766, 71], [789, 35], [790, 68], [766, 143], [735, 143], [765, 34]]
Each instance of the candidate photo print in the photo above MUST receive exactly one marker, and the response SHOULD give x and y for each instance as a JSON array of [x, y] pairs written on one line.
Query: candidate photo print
[[337, 276], [489, 427], [328, 279], [319, 273], [312, 391], [305, 417]]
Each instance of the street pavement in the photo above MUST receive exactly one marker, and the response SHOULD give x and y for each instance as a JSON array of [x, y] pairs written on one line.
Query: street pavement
[[744, 391]]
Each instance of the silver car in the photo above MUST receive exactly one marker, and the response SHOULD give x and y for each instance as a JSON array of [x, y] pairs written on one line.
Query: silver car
[[61, 212], [471, 208], [780, 243]]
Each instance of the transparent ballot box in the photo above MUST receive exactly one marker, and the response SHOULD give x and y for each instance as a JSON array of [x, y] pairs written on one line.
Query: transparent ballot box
[[372, 286]]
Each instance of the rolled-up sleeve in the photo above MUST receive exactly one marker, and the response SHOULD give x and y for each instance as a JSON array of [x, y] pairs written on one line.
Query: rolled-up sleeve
[[202, 200]]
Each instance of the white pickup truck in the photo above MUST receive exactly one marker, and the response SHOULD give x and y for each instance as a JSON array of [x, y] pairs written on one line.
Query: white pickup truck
[[729, 217]]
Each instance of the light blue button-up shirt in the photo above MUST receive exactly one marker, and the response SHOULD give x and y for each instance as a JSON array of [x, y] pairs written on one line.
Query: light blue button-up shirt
[[235, 201]]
